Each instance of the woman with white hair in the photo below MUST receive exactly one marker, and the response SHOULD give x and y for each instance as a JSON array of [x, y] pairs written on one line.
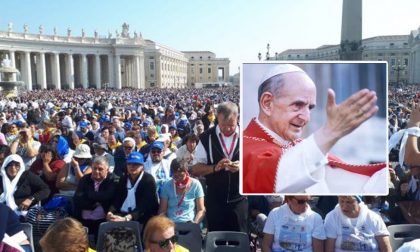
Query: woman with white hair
[[20, 189], [351, 225]]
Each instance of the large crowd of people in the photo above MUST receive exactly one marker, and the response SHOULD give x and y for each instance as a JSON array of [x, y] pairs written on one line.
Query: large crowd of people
[[131, 155], [118, 155]]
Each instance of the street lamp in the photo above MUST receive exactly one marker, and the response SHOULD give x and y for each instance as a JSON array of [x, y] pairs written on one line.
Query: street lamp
[[267, 55], [399, 67]]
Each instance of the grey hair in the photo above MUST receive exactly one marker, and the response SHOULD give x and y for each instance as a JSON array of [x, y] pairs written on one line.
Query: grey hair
[[272, 85], [129, 139], [101, 160], [227, 109]]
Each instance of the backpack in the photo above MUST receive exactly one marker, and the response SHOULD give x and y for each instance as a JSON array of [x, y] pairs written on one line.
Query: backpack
[[120, 239], [41, 218]]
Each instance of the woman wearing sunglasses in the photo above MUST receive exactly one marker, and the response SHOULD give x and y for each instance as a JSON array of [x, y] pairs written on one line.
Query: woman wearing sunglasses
[[294, 227], [182, 197], [352, 226], [159, 235]]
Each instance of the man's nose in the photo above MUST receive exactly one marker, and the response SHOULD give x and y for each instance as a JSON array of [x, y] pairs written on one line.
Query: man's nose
[[305, 114]]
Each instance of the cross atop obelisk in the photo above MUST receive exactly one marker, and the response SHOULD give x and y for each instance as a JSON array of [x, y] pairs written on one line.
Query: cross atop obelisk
[[351, 30]]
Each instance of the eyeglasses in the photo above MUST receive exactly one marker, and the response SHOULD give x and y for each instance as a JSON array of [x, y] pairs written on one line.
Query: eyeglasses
[[15, 165], [128, 147], [155, 151], [301, 201], [165, 243]]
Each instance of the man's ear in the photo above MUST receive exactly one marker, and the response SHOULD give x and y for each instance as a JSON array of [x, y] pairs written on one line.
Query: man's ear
[[266, 103]]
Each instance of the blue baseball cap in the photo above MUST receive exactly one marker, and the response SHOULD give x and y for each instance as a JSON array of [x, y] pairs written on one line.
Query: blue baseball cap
[[135, 158], [156, 145], [18, 123], [83, 124], [128, 125]]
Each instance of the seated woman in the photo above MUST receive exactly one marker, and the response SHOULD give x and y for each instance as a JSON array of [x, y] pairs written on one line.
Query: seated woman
[[136, 197], [182, 198], [65, 235], [352, 226], [159, 235], [69, 175], [11, 229], [94, 195], [20, 189], [294, 227], [47, 166]]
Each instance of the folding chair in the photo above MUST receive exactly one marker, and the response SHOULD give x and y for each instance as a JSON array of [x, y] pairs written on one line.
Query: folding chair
[[227, 241], [27, 229], [189, 236], [403, 233], [108, 226]]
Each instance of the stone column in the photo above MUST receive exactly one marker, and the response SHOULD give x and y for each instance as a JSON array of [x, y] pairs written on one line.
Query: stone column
[[56, 70], [12, 62], [142, 75], [136, 71], [117, 70], [42, 73], [98, 71], [12, 59], [70, 71], [111, 75], [27, 73], [84, 71]]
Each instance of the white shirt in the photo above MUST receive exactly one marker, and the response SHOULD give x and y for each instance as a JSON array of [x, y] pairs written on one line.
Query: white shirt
[[412, 246], [184, 154], [358, 235], [152, 168], [201, 154], [293, 232]]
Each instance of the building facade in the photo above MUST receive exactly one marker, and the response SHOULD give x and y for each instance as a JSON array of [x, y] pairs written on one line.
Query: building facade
[[414, 60], [204, 68], [402, 52], [116, 61], [165, 67]]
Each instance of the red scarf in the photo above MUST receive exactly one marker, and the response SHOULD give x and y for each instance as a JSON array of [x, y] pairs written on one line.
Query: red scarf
[[182, 184]]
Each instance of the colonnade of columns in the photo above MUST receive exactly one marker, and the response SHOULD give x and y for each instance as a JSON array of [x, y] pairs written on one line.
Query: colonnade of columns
[[43, 70]]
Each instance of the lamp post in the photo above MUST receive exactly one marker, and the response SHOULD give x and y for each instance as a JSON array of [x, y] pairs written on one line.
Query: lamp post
[[267, 55], [399, 67]]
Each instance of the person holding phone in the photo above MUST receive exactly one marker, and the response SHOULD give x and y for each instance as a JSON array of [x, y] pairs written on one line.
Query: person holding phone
[[26, 147]]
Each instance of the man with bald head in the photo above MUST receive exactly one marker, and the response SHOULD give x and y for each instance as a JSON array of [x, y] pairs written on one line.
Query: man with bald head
[[277, 160]]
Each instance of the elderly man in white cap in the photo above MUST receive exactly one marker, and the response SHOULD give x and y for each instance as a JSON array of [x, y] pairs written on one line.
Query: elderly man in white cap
[[276, 160]]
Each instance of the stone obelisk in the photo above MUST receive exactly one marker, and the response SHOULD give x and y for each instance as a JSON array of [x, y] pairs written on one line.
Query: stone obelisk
[[351, 30]]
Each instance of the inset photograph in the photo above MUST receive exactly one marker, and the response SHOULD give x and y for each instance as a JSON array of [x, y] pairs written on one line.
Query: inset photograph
[[316, 128]]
